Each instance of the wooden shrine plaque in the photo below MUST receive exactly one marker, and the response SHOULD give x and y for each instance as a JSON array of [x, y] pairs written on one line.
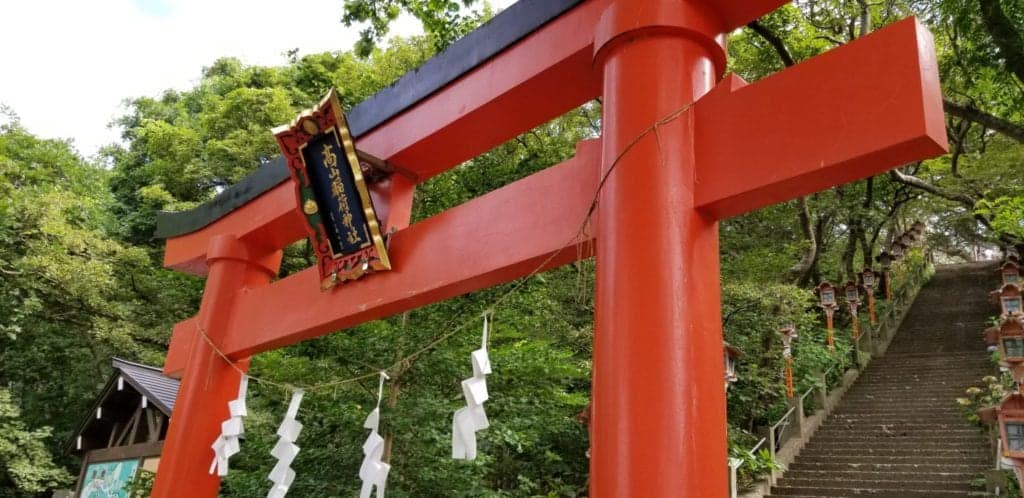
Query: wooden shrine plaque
[[332, 195]]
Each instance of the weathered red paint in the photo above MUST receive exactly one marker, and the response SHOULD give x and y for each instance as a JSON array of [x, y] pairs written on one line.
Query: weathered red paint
[[659, 410]]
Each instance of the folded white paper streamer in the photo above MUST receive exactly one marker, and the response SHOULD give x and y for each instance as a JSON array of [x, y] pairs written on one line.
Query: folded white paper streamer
[[231, 429], [374, 472], [286, 450], [472, 418]]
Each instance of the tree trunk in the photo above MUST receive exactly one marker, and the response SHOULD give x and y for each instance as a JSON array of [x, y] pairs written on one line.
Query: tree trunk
[[800, 271], [1005, 36]]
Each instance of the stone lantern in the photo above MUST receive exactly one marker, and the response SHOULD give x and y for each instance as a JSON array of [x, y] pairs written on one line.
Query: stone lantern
[[1011, 340], [1011, 426], [885, 258], [1010, 272], [788, 335], [1010, 300], [898, 248], [732, 356], [853, 301], [869, 279], [827, 302]]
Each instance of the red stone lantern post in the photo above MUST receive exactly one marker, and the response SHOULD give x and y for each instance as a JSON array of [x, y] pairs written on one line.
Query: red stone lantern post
[[853, 301], [1011, 410], [885, 258], [788, 335], [827, 302], [868, 277]]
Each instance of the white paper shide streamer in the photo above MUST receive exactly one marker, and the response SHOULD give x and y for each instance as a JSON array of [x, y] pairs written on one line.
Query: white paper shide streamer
[[374, 472], [286, 450], [472, 418], [231, 429]]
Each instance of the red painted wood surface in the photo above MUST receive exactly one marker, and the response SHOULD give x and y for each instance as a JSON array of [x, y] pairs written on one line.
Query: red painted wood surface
[[859, 110], [659, 408], [658, 404], [208, 382]]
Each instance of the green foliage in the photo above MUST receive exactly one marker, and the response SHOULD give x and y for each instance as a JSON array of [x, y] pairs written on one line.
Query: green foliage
[[26, 464], [81, 280], [1006, 215], [444, 20], [142, 484], [977, 398]]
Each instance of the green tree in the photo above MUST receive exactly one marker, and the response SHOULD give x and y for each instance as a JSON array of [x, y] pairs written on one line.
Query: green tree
[[443, 20], [26, 464]]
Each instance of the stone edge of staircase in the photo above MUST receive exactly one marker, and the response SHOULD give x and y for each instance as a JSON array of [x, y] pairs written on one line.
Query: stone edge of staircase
[[885, 331]]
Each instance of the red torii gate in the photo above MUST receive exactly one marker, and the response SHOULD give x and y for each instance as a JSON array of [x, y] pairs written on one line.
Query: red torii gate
[[659, 424]]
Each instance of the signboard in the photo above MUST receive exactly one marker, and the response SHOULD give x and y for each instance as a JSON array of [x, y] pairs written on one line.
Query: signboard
[[108, 479], [852, 294], [869, 278], [332, 194]]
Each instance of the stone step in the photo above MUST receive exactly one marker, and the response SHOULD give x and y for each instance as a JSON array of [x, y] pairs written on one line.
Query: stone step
[[890, 439], [922, 413], [881, 444], [893, 485], [920, 467], [855, 475], [924, 407], [900, 459], [940, 363], [898, 430], [890, 454], [874, 493]]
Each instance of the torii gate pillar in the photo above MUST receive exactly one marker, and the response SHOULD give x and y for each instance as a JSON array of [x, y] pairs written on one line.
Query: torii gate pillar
[[659, 428], [209, 382]]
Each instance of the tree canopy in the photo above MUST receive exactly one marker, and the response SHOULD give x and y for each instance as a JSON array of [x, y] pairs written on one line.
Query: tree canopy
[[81, 278]]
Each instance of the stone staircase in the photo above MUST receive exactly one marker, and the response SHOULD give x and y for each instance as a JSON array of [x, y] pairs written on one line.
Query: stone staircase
[[898, 433]]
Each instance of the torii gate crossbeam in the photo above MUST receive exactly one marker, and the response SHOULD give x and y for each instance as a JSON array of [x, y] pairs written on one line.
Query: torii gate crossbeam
[[659, 421]]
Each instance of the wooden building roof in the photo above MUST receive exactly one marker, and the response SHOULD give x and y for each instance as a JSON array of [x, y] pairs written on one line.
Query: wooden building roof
[[133, 405]]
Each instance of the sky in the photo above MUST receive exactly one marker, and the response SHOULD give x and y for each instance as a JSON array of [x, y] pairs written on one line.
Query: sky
[[66, 66]]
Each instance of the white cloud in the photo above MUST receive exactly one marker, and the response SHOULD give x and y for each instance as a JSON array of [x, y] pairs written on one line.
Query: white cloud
[[69, 64]]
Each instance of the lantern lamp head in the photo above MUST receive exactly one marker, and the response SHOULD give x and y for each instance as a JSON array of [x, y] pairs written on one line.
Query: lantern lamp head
[[1011, 340], [1011, 425], [1010, 300], [885, 259], [788, 332], [732, 356], [897, 249], [1010, 272], [852, 293], [867, 277], [826, 295]]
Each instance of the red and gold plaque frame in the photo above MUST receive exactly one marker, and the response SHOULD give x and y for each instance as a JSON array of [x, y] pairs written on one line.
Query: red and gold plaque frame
[[332, 194]]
